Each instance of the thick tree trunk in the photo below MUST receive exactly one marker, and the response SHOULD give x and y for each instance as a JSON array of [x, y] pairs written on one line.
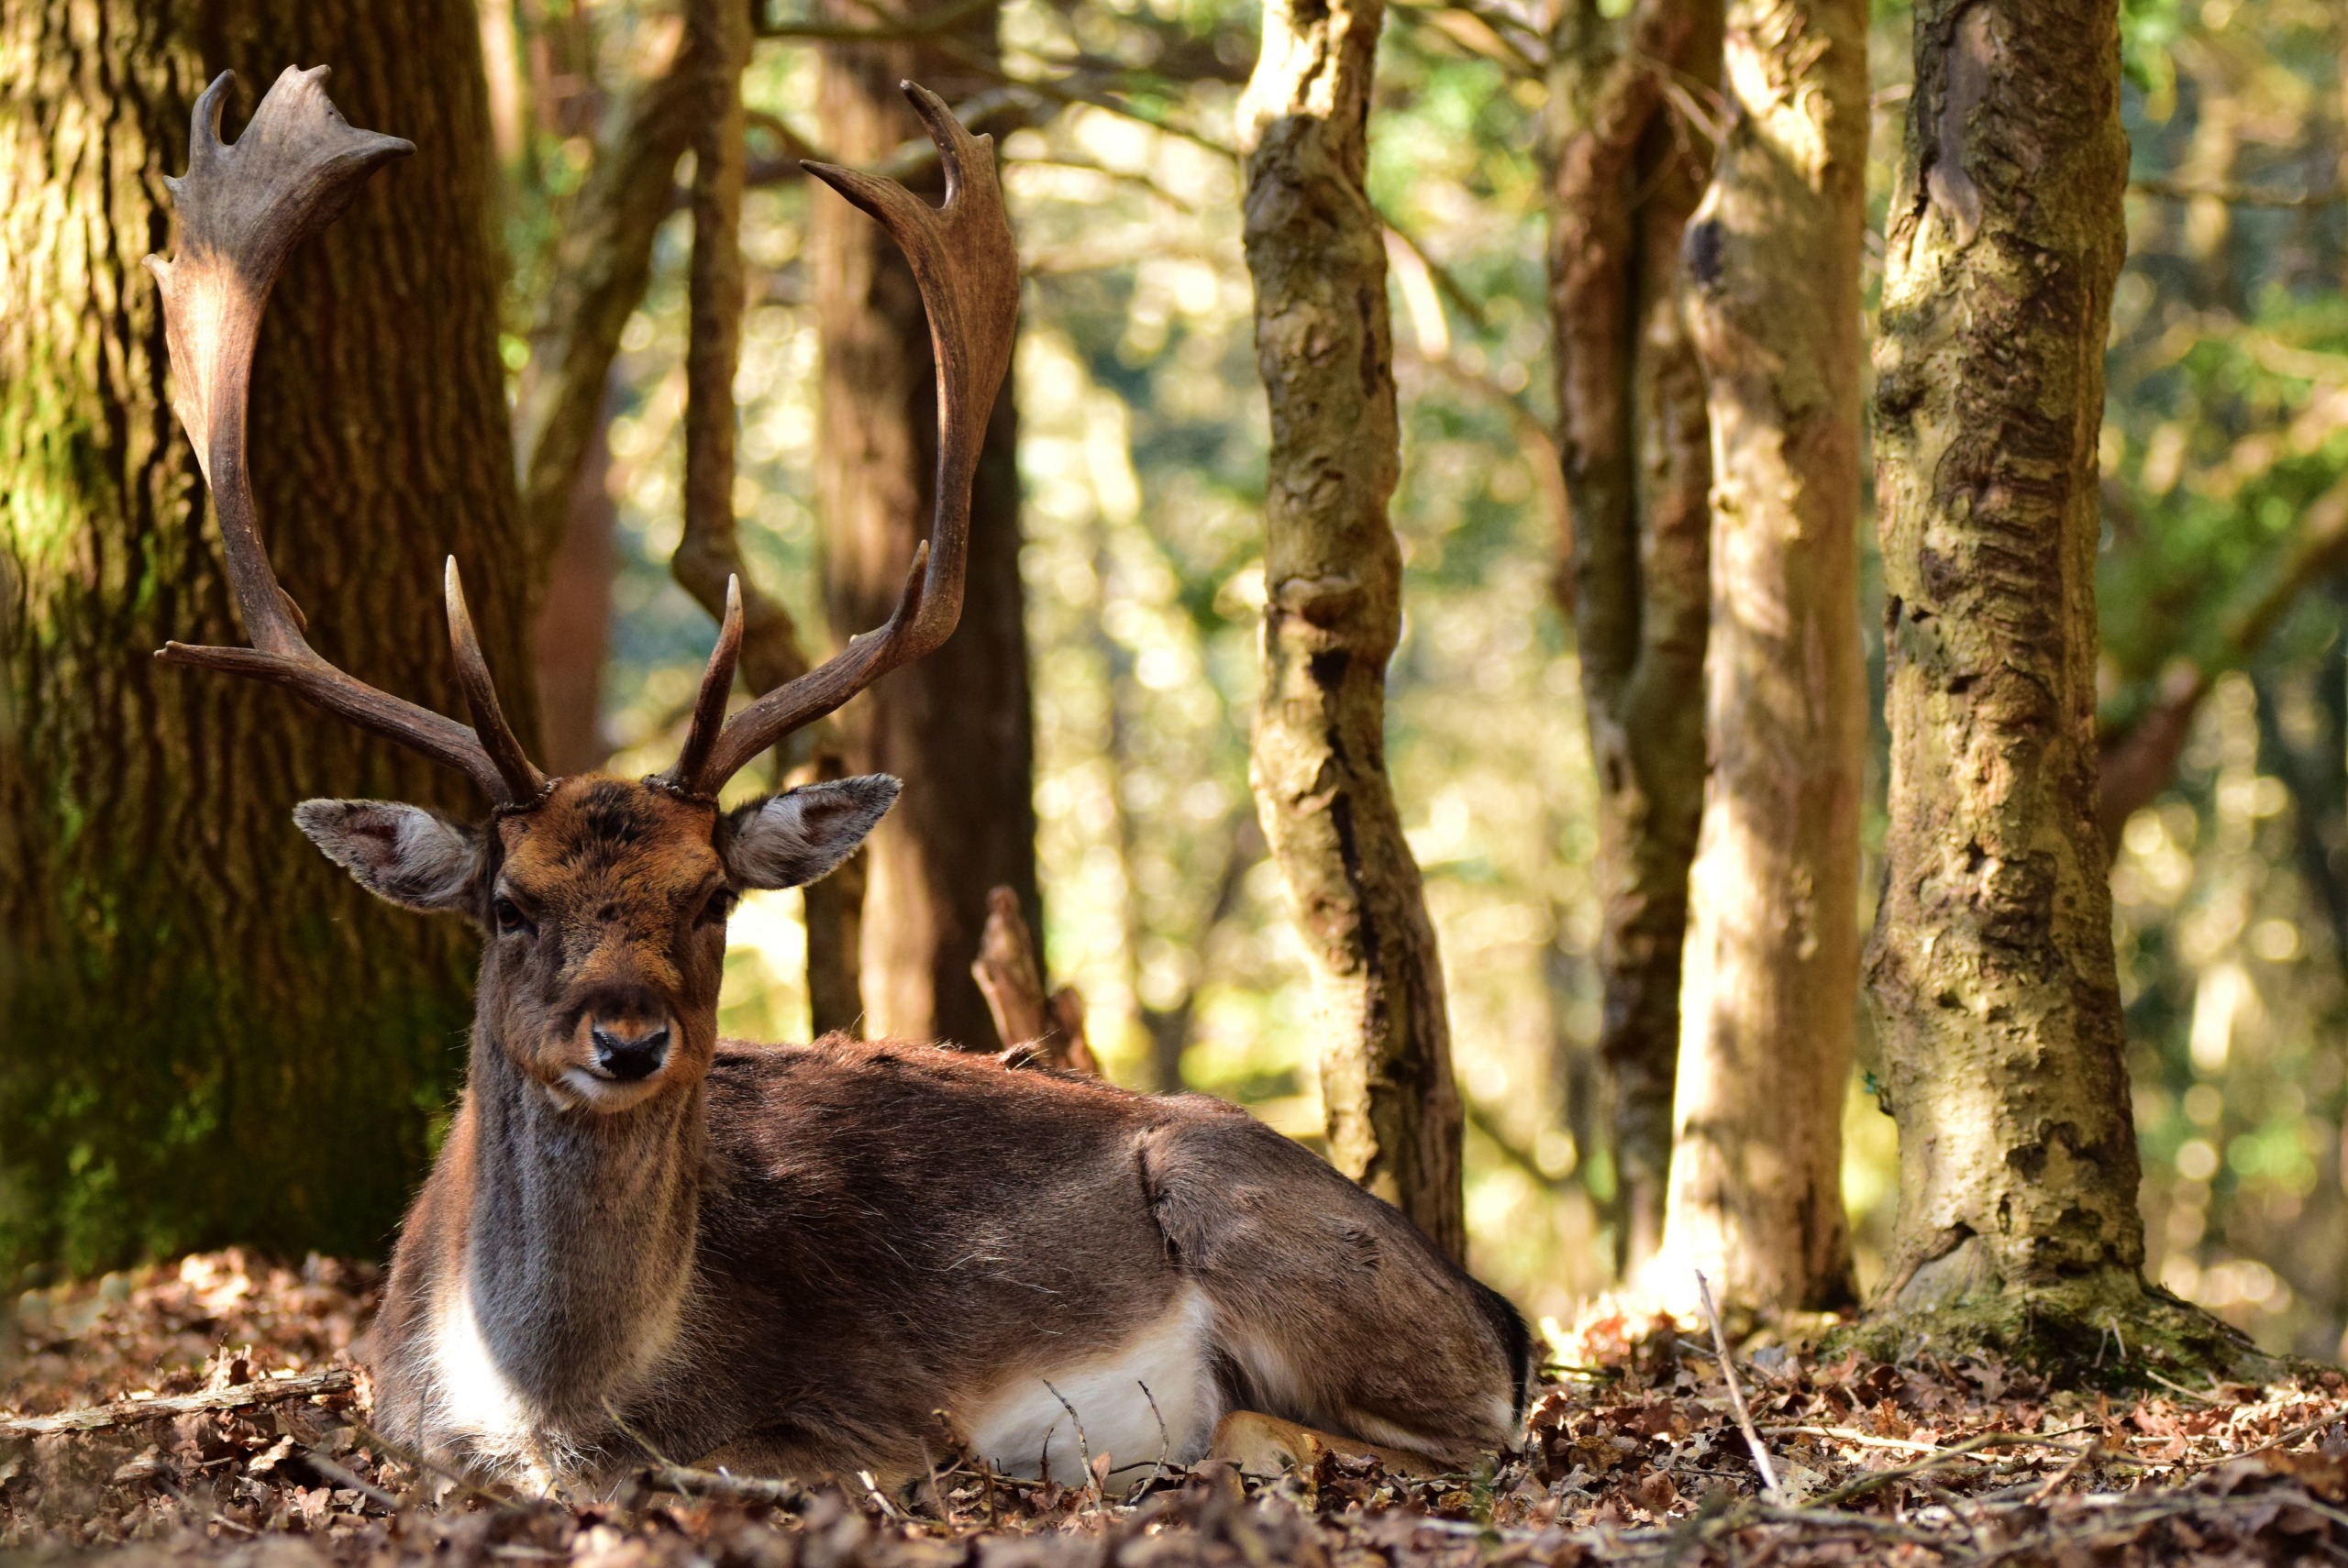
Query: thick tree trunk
[[1333, 571], [1991, 964], [954, 726], [1632, 431], [1772, 295], [212, 1033]]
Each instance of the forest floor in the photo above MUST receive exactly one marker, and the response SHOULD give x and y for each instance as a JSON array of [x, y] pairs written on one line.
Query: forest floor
[[1635, 1456]]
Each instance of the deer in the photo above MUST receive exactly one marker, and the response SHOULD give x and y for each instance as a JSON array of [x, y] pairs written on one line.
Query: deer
[[789, 1259]]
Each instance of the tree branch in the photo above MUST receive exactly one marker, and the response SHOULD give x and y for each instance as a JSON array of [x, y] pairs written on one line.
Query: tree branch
[[239, 1397], [603, 265], [710, 550], [2139, 762], [2236, 196]]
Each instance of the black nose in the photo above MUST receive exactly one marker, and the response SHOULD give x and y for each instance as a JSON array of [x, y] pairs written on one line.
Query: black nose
[[630, 1059]]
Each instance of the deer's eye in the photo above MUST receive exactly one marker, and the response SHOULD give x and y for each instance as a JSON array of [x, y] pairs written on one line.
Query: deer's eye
[[511, 920], [721, 905]]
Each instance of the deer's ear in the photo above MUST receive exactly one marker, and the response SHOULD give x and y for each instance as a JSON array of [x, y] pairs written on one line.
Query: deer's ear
[[792, 839], [403, 854]]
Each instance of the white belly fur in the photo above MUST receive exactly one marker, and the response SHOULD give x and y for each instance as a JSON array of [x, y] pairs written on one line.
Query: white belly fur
[[1022, 1430]]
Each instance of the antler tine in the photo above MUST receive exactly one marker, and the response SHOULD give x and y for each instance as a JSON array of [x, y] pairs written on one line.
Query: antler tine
[[521, 777], [243, 207], [709, 704], [968, 269]]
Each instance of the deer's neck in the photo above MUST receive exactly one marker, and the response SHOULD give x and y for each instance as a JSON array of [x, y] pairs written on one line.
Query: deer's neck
[[579, 1244]]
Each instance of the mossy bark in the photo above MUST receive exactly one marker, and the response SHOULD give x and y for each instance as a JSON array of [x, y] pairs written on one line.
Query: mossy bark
[[956, 726], [1991, 969], [1633, 436], [1332, 574], [1772, 295], [211, 1034]]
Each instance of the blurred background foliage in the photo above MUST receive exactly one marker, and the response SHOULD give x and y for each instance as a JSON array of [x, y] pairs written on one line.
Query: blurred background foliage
[[1143, 437]]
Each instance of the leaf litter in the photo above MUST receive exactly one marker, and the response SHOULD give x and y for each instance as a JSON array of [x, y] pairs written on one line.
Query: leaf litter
[[1631, 1455]]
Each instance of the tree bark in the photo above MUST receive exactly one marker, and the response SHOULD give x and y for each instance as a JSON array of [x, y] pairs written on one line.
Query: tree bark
[[212, 1033], [1333, 571], [1633, 433], [1991, 965], [1772, 296], [956, 726], [572, 634]]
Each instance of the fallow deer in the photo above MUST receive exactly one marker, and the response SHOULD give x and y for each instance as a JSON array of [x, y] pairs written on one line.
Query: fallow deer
[[786, 1258]]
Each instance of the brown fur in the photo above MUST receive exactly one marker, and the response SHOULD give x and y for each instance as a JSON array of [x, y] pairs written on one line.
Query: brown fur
[[791, 1256]]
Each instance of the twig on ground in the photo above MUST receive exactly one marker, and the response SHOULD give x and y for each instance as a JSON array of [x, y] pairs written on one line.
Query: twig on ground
[[666, 1474], [1083, 1447], [1875, 1480], [2179, 1388], [1163, 1442], [2056, 1482], [325, 1464], [422, 1463], [687, 1482], [1761, 1462], [242, 1395]]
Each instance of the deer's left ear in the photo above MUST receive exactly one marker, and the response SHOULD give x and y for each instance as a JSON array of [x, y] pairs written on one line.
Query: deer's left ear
[[794, 838]]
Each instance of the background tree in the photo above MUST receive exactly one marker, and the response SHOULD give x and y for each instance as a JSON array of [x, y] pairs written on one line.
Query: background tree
[[1772, 295], [213, 1035], [1991, 969], [1332, 579], [956, 727], [1625, 172]]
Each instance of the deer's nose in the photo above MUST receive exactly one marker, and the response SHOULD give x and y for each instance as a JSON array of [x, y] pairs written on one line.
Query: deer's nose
[[629, 1057]]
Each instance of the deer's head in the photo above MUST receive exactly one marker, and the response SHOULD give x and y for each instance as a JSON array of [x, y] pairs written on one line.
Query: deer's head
[[601, 909], [602, 901]]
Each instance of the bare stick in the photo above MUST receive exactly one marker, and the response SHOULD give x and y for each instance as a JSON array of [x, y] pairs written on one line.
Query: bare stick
[[1163, 1442], [243, 1396], [687, 1482], [1082, 1446], [1736, 1395]]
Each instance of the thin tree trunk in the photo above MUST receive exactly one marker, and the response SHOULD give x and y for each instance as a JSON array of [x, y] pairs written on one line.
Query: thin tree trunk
[[212, 1033], [1623, 178], [573, 630], [1771, 987], [1333, 571], [956, 726], [1991, 964]]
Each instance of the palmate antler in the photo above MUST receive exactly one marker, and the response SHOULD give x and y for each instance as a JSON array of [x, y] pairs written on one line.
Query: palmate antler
[[968, 269], [242, 210]]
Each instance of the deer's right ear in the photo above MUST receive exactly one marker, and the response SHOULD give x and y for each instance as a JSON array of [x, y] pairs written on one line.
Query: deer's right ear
[[402, 854]]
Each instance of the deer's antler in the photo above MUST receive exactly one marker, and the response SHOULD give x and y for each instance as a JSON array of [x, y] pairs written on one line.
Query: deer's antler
[[963, 258], [243, 209]]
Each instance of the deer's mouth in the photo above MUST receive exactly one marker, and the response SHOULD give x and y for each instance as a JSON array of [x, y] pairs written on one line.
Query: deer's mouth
[[585, 1088]]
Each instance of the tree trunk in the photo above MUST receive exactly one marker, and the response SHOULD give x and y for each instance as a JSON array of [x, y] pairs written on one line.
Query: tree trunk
[[954, 726], [1333, 571], [573, 631], [212, 1033], [1991, 964], [1632, 431], [1771, 988]]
